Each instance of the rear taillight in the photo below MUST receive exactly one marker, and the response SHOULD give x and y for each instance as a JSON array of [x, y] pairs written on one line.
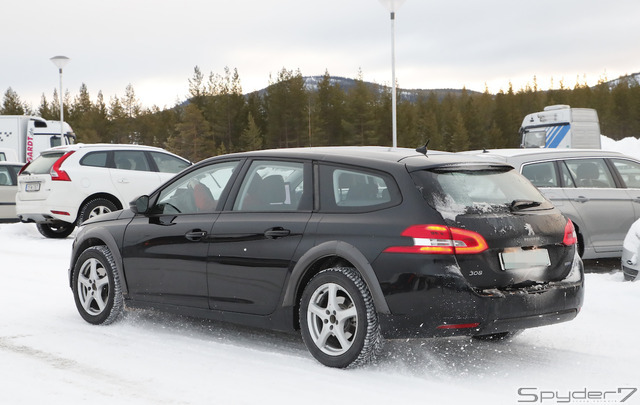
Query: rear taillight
[[441, 239], [570, 237], [57, 174]]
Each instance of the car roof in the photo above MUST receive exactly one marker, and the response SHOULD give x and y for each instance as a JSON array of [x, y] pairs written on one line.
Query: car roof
[[371, 156], [519, 156], [6, 163], [105, 146]]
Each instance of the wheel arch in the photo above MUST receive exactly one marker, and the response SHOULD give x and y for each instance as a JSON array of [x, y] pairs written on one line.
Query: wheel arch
[[107, 196], [324, 256], [98, 237], [582, 238]]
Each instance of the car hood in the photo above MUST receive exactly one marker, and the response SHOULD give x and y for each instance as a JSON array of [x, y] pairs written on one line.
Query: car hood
[[111, 216]]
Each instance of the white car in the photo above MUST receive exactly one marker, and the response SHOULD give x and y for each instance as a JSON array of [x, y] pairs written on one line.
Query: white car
[[631, 252], [8, 188], [67, 185]]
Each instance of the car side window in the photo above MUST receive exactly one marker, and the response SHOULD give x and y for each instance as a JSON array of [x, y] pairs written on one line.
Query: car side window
[[567, 177], [345, 189], [541, 174], [197, 192], [273, 186], [629, 172], [590, 173], [131, 160], [167, 163], [5, 177], [94, 159]]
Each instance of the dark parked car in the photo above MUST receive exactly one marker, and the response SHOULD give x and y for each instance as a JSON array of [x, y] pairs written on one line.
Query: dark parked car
[[347, 245]]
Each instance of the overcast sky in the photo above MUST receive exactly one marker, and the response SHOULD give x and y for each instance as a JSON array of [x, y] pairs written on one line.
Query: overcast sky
[[154, 45]]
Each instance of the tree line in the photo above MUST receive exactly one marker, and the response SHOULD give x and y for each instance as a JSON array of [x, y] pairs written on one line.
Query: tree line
[[218, 118]]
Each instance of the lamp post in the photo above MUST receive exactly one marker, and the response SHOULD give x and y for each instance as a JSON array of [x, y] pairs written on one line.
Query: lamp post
[[392, 6], [60, 62]]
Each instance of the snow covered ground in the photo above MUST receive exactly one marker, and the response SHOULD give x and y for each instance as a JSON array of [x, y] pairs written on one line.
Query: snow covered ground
[[48, 354]]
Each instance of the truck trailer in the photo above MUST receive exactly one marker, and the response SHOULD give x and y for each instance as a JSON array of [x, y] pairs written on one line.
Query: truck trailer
[[560, 126], [29, 135]]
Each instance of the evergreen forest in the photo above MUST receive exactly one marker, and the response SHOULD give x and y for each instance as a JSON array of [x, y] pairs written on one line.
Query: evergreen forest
[[218, 118]]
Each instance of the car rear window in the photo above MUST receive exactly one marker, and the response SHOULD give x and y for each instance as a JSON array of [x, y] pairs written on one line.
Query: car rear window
[[478, 190], [42, 164]]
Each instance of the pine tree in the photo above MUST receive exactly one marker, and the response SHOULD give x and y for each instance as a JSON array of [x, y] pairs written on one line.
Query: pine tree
[[11, 104], [251, 138], [459, 135], [193, 138]]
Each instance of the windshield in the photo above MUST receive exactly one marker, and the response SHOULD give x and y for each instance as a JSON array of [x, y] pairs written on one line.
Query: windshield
[[478, 190], [534, 139]]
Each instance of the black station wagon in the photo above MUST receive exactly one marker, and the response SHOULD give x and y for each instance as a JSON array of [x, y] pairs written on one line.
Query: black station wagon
[[347, 245]]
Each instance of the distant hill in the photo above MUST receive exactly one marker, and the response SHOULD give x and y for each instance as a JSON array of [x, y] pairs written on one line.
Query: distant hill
[[412, 95], [633, 79]]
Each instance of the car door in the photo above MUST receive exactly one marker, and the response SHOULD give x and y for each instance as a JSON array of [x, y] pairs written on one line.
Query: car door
[[254, 240], [8, 189], [606, 210], [132, 175], [629, 173], [165, 250]]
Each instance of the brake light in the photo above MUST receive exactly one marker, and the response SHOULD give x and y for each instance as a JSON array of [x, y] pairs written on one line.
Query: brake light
[[441, 239], [57, 174], [570, 237]]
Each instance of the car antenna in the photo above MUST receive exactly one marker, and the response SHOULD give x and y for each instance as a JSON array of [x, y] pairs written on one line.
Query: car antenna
[[423, 149]]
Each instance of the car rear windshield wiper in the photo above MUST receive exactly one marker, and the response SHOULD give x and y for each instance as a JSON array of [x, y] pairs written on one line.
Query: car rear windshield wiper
[[522, 204]]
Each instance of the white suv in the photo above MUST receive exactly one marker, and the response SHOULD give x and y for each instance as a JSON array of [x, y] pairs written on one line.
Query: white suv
[[67, 185]]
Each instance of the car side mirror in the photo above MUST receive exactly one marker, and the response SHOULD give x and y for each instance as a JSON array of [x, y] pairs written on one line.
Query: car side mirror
[[140, 205]]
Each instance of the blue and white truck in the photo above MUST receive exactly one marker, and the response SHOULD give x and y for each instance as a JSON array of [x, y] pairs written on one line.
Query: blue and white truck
[[560, 126], [29, 135]]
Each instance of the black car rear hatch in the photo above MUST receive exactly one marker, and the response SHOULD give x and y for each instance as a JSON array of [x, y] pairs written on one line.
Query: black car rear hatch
[[505, 234]]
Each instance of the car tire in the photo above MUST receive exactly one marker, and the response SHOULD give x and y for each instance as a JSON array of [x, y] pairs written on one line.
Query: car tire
[[55, 231], [95, 207], [338, 320], [96, 286], [497, 337]]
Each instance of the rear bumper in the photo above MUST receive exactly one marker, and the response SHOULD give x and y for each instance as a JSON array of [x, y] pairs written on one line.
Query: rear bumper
[[458, 309], [41, 212]]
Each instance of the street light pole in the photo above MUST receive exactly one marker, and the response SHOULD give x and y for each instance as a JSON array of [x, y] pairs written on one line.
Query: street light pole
[[392, 6], [60, 62]]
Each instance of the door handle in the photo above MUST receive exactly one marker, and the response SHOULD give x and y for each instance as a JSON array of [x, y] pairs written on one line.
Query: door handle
[[195, 235], [277, 232], [123, 180], [581, 199]]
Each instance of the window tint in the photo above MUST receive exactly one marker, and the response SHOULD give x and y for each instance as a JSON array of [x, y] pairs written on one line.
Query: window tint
[[5, 177], [95, 159], [479, 190], [3, 158], [168, 163], [42, 164], [130, 160], [348, 189], [629, 171], [567, 177], [272, 186], [590, 173], [199, 191], [541, 174]]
